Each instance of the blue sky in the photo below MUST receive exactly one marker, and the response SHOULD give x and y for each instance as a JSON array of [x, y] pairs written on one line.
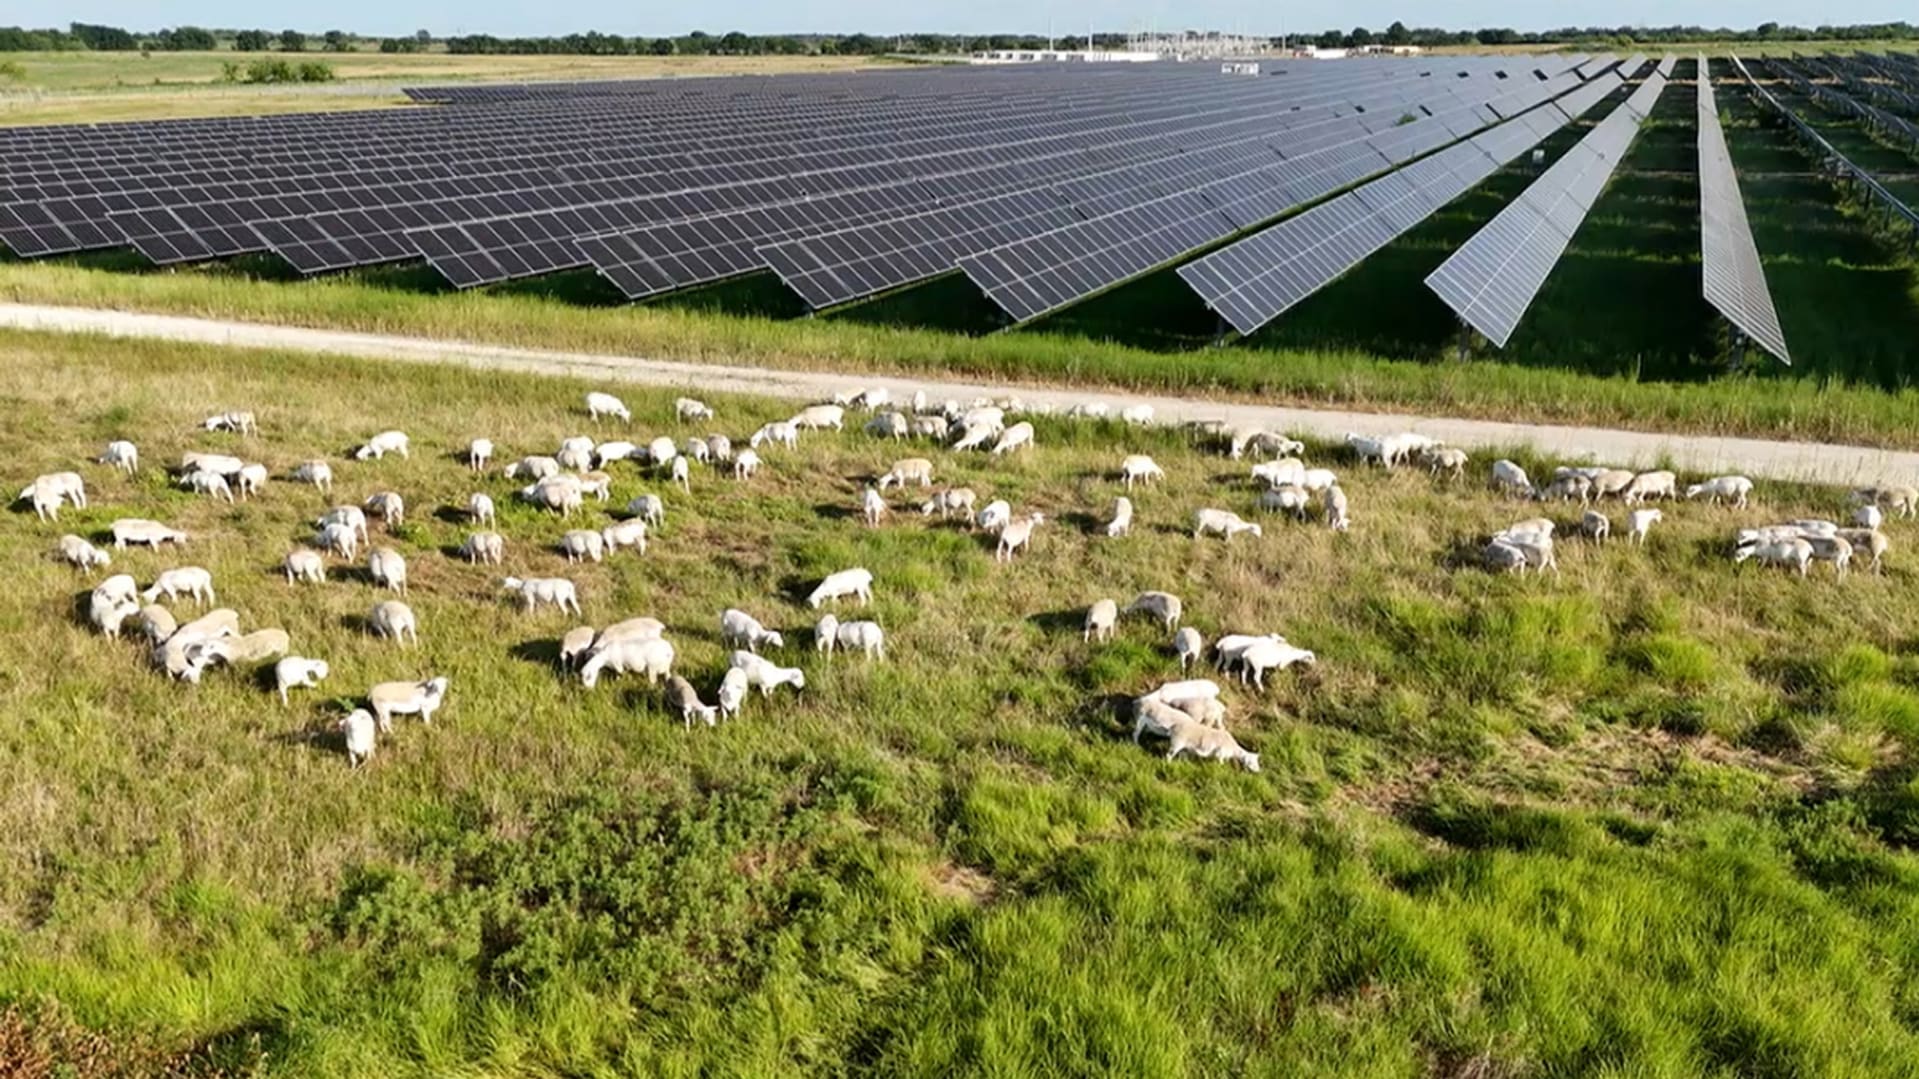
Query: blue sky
[[890, 16]]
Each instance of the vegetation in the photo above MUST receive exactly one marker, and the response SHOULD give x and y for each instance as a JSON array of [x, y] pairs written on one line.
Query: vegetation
[[1649, 817]]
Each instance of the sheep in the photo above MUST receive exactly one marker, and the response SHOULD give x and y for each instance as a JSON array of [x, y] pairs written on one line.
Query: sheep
[[826, 633], [1230, 649], [682, 474], [1223, 522], [252, 480], [1260, 442], [847, 582], [653, 658], [887, 425], [304, 564], [82, 555], [1611, 481], [988, 416], [389, 699], [680, 694], [382, 444], [866, 637], [662, 451], [720, 448], [483, 547], [298, 672], [237, 422], [1163, 607], [1509, 478], [1017, 533], [358, 729], [1567, 487], [1902, 500], [1122, 522], [224, 464], [124, 456], [631, 629], [576, 454], [1319, 480], [387, 569], [338, 538], [687, 408], [479, 508], [600, 405], [1530, 526], [1270, 655], [256, 647], [1835, 549], [648, 508], [1811, 527], [872, 507], [192, 580], [742, 630], [1868, 517], [919, 401], [142, 533], [1280, 472], [937, 428], [1596, 525], [211, 484], [533, 468], [994, 516], [180, 656], [157, 623], [1793, 552], [815, 417], [1092, 410], [617, 450], [534, 591], [1733, 489], [561, 494], [1286, 499], [1139, 468], [974, 437], [732, 691], [1189, 646], [1333, 502], [394, 621], [111, 603], [478, 452], [784, 434], [1869, 541], [1207, 710], [767, 675], [317, 473], [1639, 524], [1018, 436], [1645, 485], [47, 492], [917, 469], [389, 505], [219, 622], [1379, 451], [1152, 715], [1535, 548], [952, 499], [1138, 415], [581, 544], [697, 449], [1189, 689], [630, 533], [1099, 620], [1191, 736], [1448, 459], [745, 463]]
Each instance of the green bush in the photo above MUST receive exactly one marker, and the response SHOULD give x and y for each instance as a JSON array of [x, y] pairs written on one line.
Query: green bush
[[314, 71], [270, 71]]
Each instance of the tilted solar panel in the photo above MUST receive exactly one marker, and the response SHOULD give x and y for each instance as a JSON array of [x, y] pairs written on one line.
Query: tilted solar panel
[[1734, 279]]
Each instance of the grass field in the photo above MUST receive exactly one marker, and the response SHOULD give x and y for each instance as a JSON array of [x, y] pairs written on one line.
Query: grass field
[[1648, 817]]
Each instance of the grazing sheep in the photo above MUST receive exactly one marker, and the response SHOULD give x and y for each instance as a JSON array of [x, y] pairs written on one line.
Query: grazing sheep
[[192, 580], [575, 645], [1376, 451], [1835, 549], [1207, 710], [298, 672], [1596, 525], [1281, 472], [872, 507], [974, 437], [1018, 436], [1122, 522], [177, 654], [742, 630], [112, 602], [648, 508], [1154, 716], [358, 728], [304, 564], [682, 474], [1139, 468], [224, 464], [1448, 459], [1228, 650], [1189, 646], [583, 544], [142, 533], [339, 539], [1645, 485], [389, 699], [629, 533], [1567, 487], [238, 422], [680, 694], [1869, 541], [784, 434], [1225, 523], [390, 506], [1902, 500], [478, 453], [1163, 607], [1535, 547], [732, 691], [317, 473], [1190, 689], [1092, 410], [561, 494], [987, 416], [631, 629], [256, 647], [1286, 499], [1260, 442], [815, 417], [533, 468], [394, 621], [1869, 516], [937, 428], [1610, 481], [252, 480], [1333, 502], [1270, 655], [1100, 618], [1016, 534], [887, 425], [157, 623], [1509, 478], [767, 675], [1733, 489], [47, 492], [618, 450], [479, 507], [575, 454], [917, 469], [662, 451], [719, 448], [1639, 523], [653, 658], [686, 408], [483, 547], [865, 637], [1318, 480], [1138, 415], [387, 569], [1502, 557], [847, 582], [994, 516], [600, 405], [80, 554], [1793, 552], [533, 591], [826, 633], [1208, 743], [697, 449], [211, 484], [952, 499], [384, 443], [745, 463], [124, 456]]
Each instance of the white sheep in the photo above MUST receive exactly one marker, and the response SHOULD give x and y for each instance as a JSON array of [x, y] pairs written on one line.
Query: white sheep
[[1448, 459], [1100, 618], [1500, 556], [317, 473], [576, 453], [483, 547], [1091, 410], [252, 480], [533, 591], [256, 647], [1869, 516], [1270, 655], [390, 506], [1902, 500], [198, 461], [1163, 607], [122, 455], [617, 450], [1835, 549], [826, 633], [1208, 710], [631, 629], [1567, 486], [112, 602], [974, 437], [600, 405], [157, 623], [479, 507], [653, 658], [304, 564], [938, 428], [872, 507], [648, 508], [1379, 451], [866, 637], [1224, 523], [815, 417], [697, 449], [1122, 522], [682, 474], [1645, 485], [1018, 436], [994, 516], [1139, 468], [1189, 689], [1333, 502], [1214, 743], [389, 699], [583, 544], [628, 533], [1188, 646], [394, 621], [1869, 541], [387, 569], [767, 675], [916, 469], [82, 555], [194, 581], [358, 729], [745, 463], [1017, 533], [1509, 478], [1286, 499], [953, 499], [888, 425], [1228, 650], [1733, 489], [1154, 716], [384, 443], [562, 494], [338, 538], [1596, 525], [1139, 415], [680, 694], [1639, 524], [1259, 442], [479, 452], [1793, 552], [298, 672], [719, 448], [237, 422], [780, 433], [1281, 472], [732, 691], [742, 630], [211, 484], [535, 468], [1535, 547], [143, 533], [687, 408], [351, 516], [47, 492], [847, 582]]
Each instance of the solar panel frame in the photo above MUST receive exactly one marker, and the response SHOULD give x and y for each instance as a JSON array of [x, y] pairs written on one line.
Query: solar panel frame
[[1733, 278]]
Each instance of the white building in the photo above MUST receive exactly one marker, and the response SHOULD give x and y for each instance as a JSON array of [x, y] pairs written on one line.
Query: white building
[[1063, 56]]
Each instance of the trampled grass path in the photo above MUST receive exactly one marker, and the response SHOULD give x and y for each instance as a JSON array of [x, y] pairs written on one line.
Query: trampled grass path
[[1811, 462]]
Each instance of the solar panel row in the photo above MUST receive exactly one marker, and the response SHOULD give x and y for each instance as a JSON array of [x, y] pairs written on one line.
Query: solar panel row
[[1734, 280]]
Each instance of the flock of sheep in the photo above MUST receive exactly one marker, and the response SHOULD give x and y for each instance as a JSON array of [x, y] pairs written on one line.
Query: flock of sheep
[[1189, 712]]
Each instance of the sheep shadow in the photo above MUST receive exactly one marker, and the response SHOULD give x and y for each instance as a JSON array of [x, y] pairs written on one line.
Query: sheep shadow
[[452, 515], [543, 652], [1050, 622], [835, 511], [1084, 523], [1463, 554], [83, 608]]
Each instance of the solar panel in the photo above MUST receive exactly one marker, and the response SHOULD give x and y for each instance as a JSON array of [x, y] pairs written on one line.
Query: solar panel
[[1734, 280]]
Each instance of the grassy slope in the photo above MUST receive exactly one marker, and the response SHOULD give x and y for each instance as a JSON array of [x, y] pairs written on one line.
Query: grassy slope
[[1645, 818]]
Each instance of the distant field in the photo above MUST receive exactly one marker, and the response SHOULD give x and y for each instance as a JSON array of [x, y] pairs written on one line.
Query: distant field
[[1651, 816]]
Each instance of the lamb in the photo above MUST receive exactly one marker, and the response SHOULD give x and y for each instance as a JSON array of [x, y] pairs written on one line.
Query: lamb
[[253, 480], [1447, 459], [994, 517], [648, 508], [1018, 436], [389, 699], [382, 444], [1596, 525], [687, 408], [1100, 618], [785, 434], [745, 463], [478, 453], [720, 448], [1639, 523], [1333, 502], [1163, 607], [358, 729], [534, 468], [1225, 523], [917, 469], [557, 591], [237, 422], [887, 425], [600, 405], [732, 691], [1510, 478], [682, 474], [1869, 541], [1270, 655], [847, 582], [872, 507], [338, 538], [1191, 736], [1138, 467], [1793, 552], [1902, 500], [211, 484], [192, 580], [1017, 533], [82, 555], [143, 533], [124, 456], [815, 417], [1138, 415], [387, 569], [394, 621], [298, 672], [47, 492], [304, 564], [866, 637], [653, 658], [479, 507], [600, 485], [1122, 522], [582, 544], [767, 675], [1189, 646], [742, 630], [1733, 489], [1287, 499], [1868, 517], [952, 499], [1658, 484], [390, 506], [630, 533], [680, 694], [317, 473]]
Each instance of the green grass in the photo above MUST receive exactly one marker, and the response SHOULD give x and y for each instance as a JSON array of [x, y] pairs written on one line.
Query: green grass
[[1648, 817]]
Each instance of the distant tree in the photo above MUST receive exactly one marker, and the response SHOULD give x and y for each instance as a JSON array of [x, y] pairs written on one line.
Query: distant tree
[[1360, 37], [104, 38], [292, 41], [660, 46], [424, 37], [1331, 39], [338, 41], [735, 43], [697, 43], [314, 71], [252, 41], [1397, 34], [185, 39]]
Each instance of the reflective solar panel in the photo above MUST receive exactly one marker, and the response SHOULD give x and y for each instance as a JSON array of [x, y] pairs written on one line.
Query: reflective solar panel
[[1734, 280]]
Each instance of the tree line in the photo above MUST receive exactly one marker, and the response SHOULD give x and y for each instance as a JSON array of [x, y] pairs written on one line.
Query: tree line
[[1399, 34]]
